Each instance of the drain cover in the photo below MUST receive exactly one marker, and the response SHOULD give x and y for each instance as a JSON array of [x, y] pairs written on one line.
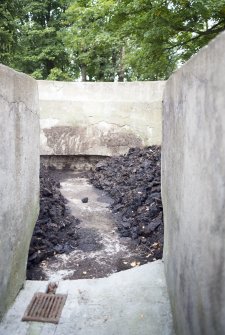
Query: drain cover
[[45, 308]]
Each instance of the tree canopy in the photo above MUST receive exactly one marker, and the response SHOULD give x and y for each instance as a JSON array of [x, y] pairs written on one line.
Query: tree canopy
[[105, 40]]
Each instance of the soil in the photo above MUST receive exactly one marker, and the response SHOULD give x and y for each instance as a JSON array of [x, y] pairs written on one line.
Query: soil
[[91, 231], [55, 230], [133, 181]]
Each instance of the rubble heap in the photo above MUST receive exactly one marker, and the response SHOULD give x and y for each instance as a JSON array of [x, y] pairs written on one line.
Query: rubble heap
[[134, 182], [55, 230]]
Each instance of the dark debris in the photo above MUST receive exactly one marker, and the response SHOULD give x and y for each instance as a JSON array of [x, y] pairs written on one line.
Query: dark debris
[[134, 183], [55, 230]]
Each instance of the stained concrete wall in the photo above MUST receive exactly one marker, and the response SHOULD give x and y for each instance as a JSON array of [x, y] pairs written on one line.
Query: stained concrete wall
[[19, 178], [193, 190], [99, 118]]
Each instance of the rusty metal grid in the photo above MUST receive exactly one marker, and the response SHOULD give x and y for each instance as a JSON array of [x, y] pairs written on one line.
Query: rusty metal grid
[[45, 308]]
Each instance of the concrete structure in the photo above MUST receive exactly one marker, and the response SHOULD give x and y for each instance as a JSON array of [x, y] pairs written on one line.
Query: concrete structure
[[193, 189], [132, 302], [19, 180], [71, 162], [99, 118]]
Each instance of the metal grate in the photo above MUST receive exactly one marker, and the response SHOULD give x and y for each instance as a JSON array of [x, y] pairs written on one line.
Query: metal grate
[[45, 308]]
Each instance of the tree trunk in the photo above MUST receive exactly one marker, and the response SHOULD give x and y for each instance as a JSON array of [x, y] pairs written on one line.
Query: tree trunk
[[121, 71], [49, 65], [83, 70]]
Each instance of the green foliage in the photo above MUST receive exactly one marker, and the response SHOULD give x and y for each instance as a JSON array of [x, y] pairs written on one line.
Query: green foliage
[[163, 34], [190, 24], [105, 40], [93, 46], [39, 47], [58, 74], [9, 14]]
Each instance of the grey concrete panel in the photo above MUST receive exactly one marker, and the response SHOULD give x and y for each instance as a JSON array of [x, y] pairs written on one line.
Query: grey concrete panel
[[19, 178], [99, 118], [193, 190]]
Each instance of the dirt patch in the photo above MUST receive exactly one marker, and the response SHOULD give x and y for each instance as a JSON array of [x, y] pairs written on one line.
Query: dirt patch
[[68, 140], [55, 230], [75, 239], [134, 182], [101, 251]]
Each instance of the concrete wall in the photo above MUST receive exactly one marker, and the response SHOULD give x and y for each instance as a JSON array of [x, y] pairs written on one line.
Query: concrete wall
[[99, 118], [193, 190], [19, 178]]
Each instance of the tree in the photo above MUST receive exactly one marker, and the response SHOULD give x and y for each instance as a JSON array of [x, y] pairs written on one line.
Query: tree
[[40, 50], [192, 24], [163, 34], [94, 46], [9, 13], [105, 40]]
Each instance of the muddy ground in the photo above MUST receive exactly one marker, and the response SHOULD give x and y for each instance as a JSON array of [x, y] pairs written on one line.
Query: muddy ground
[[133, 181], [85, 232]]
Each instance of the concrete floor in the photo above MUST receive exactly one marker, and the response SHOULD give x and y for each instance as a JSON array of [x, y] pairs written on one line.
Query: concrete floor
[[132, 302]]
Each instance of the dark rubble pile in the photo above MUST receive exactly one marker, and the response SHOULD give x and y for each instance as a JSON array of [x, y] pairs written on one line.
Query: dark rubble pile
[[55, 230], [133, 181]]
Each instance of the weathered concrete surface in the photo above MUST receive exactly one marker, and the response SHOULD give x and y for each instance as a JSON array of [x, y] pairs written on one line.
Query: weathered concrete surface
[[99, 118], [193, 189], [19, 178], [71, 162], [132, 302]]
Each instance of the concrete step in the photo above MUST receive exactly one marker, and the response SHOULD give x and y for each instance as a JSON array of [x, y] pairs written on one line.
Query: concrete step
[[132, 302]]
